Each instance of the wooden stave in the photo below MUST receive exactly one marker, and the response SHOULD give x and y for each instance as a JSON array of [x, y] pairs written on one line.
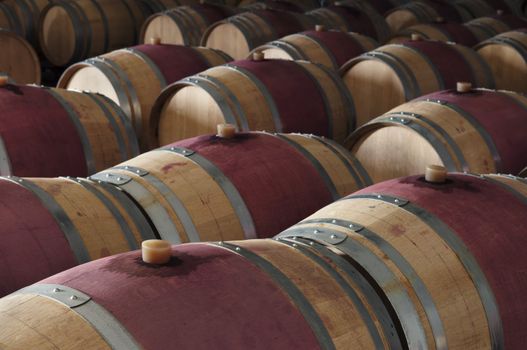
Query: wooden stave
[[235, 106], [58, 237], [79, 130], [9, 20], [443, 31], [318, 51], [257, 265], [21, 76], [497, 24], [83, 16], [514, 42], [476, 147], [416, 83], [125, 69], [181, 17], [257, 27], [168, 183]]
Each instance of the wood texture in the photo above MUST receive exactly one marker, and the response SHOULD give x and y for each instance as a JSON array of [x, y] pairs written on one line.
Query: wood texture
[[263, 100], [72, 31], [132, 81], [318, 171], [418, 67], [18, 60], [238, 35], [465, 136], [330, 48], [506, 55], [443, 31]]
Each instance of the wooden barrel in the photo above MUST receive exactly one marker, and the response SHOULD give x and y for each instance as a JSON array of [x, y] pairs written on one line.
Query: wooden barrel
[[482, 8], [280, 5], [135, 76], [457, 130], [289, 296], [52, 224], [54, 132], [271, 95], [18, 59], [496, 24], [163, 5], [439, 252], [9, 20], [424, 11], [213, 188], [400, 72], [506, 54], [443, 31], [25, 14], [381, 6], [328, 47], [71, 31], [184, 25], [239, 34], [352, 18]]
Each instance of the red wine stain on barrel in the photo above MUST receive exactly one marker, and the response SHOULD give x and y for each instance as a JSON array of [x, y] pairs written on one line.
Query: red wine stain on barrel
[[397, 230], [447, 187], [180, 264], [170, 166]]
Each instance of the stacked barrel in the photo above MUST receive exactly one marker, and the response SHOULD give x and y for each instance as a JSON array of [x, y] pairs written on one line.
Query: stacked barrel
[[334, 170]]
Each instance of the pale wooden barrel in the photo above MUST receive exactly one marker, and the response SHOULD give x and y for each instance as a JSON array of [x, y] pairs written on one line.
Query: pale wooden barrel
[[71, 31], [239, 34], [457, 130], [184, 25], [213, 188], [330, 48], [498, 23], [271, 95], [363, 19], [294, 296], [397, 73], [441, 30], [18, 59], [432, 249], [52, 224], [506, 54], [423, 12], [135, 76], [55, 132]]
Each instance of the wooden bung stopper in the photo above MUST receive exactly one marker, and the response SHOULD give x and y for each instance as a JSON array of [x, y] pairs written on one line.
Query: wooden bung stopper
[[258, 56], [320, 28], [226, 131], [4, 80], [156, 251], [416, 37], [435, 173], [155, 41], [463, 86]]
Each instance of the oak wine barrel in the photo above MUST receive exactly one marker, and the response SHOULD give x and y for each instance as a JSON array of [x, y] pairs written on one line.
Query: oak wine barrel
[[381, 6], [257, 94], [498, 23], [482, 8], [184, 25], [71, 31], [506, 54], [134, 77], [400, 72], [443, 31], [163, 5], [440, 254], [213, 188], [328, 47], [25, 15], [424, 11], [479, 131], [52, 224], [54, 132], [9, 20], [352, 18], [18, 59], [280, 5], [238, 35], [289, 296]]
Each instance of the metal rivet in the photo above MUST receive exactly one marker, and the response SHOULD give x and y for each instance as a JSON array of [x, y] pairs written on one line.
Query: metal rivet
[[74, 297], [119, 179], [333, 221], [333, 236], [107, 175], [138, 171], [220, 243], [295, 245], [396, 200], [294, 238], [237, 249], [379, 196], [57, 290], [127, 167], [311, 243], [351, 225], [403, 120], [316, 231]]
